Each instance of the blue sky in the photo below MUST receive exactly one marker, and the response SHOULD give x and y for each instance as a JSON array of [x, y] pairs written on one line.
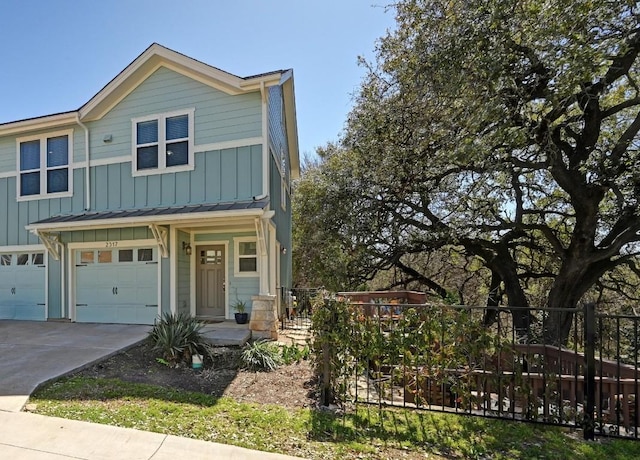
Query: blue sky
[[57, 54]]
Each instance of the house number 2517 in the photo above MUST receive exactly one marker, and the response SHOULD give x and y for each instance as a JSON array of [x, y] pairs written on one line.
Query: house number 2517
[[111, 244]]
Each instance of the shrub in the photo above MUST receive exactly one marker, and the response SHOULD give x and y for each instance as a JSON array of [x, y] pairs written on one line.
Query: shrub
[[261, 355], [294, 353], [178, 337]]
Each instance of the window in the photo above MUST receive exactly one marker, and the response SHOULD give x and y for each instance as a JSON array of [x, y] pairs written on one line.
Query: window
[[43, 165], [163, 143], [37, 258], [246, 250], [104, 257], [145, 255], [22, 259], [125, 255], [86, 257]]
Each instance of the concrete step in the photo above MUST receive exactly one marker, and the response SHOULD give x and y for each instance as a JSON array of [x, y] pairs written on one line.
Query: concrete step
[[226, 337]]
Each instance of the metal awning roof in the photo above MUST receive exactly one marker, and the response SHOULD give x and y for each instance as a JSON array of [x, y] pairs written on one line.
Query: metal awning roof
[[146, 216]]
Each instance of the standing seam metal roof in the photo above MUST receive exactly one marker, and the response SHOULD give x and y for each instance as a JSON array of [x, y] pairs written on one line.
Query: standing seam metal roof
[[144, 212]]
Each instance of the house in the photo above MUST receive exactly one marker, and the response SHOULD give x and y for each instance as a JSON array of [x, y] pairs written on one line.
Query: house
[[168, 191]]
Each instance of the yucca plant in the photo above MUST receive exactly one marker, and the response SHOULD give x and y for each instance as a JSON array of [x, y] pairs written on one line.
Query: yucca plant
[[178, 337], [261, 355]]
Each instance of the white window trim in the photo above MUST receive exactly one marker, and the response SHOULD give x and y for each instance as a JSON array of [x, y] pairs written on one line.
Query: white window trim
[[43, 165], [236, 257], [162, 167]]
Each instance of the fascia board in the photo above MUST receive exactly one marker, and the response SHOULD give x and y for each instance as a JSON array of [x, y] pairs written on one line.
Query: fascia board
[[142, 67], [40, 123], [292, 126], [186, 219]]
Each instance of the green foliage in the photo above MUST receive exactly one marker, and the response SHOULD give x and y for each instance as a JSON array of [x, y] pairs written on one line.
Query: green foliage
[[294, 353], [417, 349], [240, 306], [505, 129], [177, 338], [261, 355]]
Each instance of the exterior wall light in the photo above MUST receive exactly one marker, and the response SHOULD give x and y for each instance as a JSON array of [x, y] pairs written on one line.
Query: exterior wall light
[[186, 247]]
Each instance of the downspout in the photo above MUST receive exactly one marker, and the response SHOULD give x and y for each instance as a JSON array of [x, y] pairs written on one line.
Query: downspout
[[86, 169]]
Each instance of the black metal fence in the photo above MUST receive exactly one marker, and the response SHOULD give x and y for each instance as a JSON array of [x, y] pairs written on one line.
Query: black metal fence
[[507, 363], [297, 308]]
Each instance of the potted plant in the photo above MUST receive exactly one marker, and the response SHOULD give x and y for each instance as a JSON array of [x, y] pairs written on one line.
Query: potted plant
[[241, 314]]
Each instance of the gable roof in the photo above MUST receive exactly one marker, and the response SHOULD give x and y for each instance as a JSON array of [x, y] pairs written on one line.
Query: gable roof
[[151, 59], [157, 56]]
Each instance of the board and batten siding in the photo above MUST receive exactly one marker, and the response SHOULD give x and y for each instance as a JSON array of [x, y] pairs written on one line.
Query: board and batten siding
[[218, 117], [219, 176], [183, 274]]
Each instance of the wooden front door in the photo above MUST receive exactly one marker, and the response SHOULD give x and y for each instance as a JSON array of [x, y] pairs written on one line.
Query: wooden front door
[[210, 282]]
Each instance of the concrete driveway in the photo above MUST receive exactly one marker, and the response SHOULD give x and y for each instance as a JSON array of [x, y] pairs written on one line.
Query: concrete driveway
[[33, 352]]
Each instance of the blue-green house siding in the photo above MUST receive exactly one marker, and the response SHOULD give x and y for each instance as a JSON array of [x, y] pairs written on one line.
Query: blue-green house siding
[[183, 275], [229, 165], [219, 117], [219, 176], [277, 146]]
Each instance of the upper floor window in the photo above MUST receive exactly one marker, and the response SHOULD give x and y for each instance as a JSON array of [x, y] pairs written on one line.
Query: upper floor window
[[43, 165], [163, 143]]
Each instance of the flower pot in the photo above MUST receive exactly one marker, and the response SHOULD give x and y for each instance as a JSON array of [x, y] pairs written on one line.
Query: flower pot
[[241, 318]]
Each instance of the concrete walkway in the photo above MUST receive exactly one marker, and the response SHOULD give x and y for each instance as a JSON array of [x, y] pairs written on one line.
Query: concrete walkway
[[32, 353], [27, 436]]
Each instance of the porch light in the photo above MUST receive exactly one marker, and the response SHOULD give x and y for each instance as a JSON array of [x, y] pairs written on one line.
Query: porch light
[[186, 247]]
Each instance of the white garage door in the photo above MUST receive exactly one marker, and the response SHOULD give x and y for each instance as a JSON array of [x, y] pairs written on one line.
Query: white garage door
[[117, 285], [22, 286]]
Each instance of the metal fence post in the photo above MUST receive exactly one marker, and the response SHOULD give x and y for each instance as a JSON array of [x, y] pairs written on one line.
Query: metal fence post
[[590, 366], [327, 392]]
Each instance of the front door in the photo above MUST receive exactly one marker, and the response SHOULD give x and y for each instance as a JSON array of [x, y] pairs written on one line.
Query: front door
[[210, 281]]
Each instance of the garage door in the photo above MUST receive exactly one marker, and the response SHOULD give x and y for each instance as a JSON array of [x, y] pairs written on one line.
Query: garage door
[[117, 285], [22, 286]]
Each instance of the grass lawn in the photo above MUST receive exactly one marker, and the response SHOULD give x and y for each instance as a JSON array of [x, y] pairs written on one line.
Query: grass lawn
[[366, 433]]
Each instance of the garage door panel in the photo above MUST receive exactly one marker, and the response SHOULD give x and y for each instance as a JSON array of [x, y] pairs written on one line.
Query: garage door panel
[[22, 289], [116, 292], [7, 312]]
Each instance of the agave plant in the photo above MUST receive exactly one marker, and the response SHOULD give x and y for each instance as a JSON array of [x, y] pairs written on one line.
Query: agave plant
[[178, 337], [261, 355]]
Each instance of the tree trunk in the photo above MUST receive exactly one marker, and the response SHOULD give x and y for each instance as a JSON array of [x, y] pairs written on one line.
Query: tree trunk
[[493, 300], [571, 283]]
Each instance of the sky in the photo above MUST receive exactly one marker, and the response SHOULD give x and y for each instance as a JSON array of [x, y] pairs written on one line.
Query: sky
[[56, 55]]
